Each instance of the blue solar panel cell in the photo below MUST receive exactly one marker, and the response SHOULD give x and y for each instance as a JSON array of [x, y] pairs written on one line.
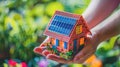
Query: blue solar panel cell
[[62, 24]]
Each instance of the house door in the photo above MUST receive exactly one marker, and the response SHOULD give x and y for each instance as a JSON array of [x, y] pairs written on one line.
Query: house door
[[75, 45]]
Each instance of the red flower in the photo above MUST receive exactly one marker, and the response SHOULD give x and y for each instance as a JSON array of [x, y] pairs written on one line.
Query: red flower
[[24, 64], [12, 62]]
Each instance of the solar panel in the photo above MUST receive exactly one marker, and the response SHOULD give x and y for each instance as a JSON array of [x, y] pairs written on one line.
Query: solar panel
[[62, 24]]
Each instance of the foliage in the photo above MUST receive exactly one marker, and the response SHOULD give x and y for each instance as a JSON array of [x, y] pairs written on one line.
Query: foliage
[[69, 53], [34, 62], [64, 56], [22, 23], [109, 52]]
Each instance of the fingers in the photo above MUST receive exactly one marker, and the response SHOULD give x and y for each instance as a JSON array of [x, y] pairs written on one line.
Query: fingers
[[41, 49], [38, 50], [45, 52], [48, 55], [58, 59]]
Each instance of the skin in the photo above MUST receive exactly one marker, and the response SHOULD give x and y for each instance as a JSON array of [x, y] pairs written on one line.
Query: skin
[[101, 28], [105, 30], [98, 10]]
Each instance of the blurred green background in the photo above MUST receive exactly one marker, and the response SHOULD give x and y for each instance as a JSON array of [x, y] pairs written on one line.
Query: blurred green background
[[22, 23]]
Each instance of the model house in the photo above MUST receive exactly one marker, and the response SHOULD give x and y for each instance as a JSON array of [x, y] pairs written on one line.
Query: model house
[[67, 33]]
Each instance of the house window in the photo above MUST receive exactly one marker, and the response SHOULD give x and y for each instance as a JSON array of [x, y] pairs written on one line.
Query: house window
[[78, 29], [57, 42], [52, 41], [81, 41], [61, 44], [65, 45]]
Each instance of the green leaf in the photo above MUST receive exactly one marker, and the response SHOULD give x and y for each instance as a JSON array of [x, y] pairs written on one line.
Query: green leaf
[[52, 7]]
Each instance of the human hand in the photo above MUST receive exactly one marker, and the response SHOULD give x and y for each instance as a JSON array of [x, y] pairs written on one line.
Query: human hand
[[91, 44]]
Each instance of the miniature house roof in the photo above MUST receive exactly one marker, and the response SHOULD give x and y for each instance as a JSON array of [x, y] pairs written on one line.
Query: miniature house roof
[[61, 25]]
